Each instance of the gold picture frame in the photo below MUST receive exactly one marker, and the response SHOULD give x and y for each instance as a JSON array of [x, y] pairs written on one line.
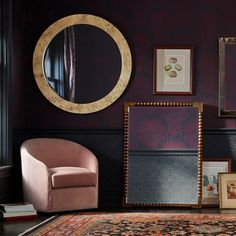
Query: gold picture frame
[[227, 190]]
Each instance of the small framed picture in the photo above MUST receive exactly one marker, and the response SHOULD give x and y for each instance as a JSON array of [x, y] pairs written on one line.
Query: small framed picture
[[172, 70], [227, 190], [210, 169]]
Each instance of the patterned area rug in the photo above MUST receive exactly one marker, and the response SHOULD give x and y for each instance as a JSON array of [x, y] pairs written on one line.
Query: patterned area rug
[[135, 224]]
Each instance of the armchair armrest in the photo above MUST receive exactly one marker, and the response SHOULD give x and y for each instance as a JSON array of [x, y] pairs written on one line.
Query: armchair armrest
[[87, 160], [36, 180]]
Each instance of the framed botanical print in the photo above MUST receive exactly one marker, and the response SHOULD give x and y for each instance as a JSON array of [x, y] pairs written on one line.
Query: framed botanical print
[[210, 169], [172, 70]]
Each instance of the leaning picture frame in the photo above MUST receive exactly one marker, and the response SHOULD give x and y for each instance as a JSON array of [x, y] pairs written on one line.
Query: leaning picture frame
[[210, 169], [227, 190], [163, 154], [172, 70]]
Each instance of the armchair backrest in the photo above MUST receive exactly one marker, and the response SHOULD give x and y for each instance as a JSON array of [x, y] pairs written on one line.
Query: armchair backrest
[[54, 152]]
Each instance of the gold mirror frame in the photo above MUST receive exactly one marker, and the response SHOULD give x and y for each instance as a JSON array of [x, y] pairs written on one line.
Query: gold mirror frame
[[51, 32]]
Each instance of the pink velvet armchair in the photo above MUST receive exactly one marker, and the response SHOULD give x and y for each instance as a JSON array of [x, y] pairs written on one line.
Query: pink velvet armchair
[[59, 175]]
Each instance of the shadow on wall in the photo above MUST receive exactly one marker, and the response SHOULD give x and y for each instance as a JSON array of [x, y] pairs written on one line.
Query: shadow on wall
[[211, 120], [218, 142]]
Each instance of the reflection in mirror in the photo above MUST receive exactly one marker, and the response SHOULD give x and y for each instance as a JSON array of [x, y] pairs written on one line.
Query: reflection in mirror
[[82, 63], [69, 58], [163, 154], [227, 77]]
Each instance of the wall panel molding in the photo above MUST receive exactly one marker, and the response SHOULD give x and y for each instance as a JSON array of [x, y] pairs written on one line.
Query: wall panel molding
[[5, 82], [221, 131], [107, 144]]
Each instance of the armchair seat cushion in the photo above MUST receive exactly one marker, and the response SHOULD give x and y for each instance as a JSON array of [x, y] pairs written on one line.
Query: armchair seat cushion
[[67, 177]]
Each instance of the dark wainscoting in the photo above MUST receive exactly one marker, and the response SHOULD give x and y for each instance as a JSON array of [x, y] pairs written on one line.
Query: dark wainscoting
[[220, 143], [5, 184], [107, 145]]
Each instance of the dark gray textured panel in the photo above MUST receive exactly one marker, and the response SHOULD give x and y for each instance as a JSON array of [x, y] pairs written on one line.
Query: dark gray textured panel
[[220, 143], [163, 177]]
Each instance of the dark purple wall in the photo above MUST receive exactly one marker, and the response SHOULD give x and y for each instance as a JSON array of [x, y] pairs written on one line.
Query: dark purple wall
[[145, 24]]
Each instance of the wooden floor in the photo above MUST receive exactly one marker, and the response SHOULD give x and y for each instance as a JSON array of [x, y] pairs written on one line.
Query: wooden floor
[[17, 227], [14, 228]]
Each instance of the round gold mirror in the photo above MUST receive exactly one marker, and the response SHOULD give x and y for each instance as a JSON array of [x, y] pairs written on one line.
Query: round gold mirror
[[68, 55]]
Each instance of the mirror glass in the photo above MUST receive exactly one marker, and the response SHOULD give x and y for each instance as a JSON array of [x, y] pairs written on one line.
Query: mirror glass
[[227, 76], [69, 58], [82, 63]]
